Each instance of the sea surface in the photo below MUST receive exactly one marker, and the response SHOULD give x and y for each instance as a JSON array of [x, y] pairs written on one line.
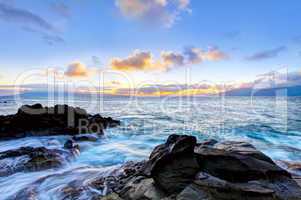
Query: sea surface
[[271, 124]]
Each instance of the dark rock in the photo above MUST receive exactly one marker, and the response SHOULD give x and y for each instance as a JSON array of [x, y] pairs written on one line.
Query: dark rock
[[69, 144], [85, 138], [215, 188], [30, 159], [242, 148], [142, 188], [235, 166], [208, 143], [72, 146], [173, 165], [36, 120]]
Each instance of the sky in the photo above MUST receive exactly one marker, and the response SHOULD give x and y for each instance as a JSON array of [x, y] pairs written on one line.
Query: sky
[[153, 45]]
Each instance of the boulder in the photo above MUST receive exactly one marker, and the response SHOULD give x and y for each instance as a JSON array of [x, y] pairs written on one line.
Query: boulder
[[173, 165], [141, 188], [236, 167], [29, 159]]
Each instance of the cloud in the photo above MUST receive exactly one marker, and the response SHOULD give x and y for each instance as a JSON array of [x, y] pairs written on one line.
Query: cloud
[[138, 60], [61, 9], [271, 53], [144, 60], [77, 69], [172, 59], [50, 39], [197, 55], [30, 22], [22, 16], [164, 12]]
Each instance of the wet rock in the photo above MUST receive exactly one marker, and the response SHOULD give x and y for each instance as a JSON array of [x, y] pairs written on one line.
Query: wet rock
[[297, 179], [112, 196], [192, 192], [234, 166], [29, 159], [141, 188], [242, 148], [85, 138], [173, 165], [36, 120], [69, 144], [293, 167], [214, 188]]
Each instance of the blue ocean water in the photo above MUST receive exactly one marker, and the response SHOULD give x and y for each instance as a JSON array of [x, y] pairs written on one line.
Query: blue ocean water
[[271, 124]]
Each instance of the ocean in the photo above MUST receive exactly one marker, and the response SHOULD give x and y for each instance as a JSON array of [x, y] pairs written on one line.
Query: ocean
[[271, 124]]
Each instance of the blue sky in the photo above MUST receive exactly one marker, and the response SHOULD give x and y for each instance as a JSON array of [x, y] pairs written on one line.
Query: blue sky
[[245, 38]]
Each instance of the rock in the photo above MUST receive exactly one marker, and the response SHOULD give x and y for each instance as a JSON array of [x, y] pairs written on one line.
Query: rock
[[173, 165], [106, 122], [192, 192], [69, 144], [112, 196], [242, 148], [297, 179], [293, 167], [31, 159], [36, 120], [215, 188], [141, 188], [72, 146], [85, 138], [235, 166]]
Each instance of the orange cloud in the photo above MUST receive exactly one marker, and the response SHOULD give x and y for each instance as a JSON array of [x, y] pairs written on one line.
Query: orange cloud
[[77, 69], [137, 61], [144, 61]]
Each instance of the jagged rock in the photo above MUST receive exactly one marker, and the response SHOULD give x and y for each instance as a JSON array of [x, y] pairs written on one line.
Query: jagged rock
[[234, 166], [242, 148], [141, 188], [173, 165], [37, 120], [192, 192], [227, 170], [30, 159], [213, 188]]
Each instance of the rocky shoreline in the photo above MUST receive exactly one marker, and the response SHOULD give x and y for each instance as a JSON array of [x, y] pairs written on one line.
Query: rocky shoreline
[[36, 120], [180, 169]]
